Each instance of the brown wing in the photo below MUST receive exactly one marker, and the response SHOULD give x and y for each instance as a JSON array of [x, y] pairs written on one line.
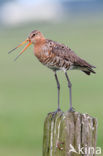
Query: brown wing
[[66, 53]]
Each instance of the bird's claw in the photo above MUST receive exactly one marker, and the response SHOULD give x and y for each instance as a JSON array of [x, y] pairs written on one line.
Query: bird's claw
[[71, 109], [58, 110]]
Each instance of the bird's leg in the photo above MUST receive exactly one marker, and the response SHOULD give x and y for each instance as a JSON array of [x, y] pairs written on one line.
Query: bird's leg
[[70, 92], [58, 87]]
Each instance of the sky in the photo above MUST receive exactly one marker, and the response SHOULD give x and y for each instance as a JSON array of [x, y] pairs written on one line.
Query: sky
[[22, 11], [17, 12]]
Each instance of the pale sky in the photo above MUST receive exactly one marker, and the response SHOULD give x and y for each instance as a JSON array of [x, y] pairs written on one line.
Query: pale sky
[[23, 11]]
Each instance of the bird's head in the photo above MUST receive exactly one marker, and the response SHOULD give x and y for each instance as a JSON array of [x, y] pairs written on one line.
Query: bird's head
[[33, 38]]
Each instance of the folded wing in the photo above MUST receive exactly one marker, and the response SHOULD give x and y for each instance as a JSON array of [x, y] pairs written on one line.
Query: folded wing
[[67, 54]]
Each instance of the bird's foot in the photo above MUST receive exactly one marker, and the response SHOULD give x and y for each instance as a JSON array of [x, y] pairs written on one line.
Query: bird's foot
[[58, 110], [71, 109]]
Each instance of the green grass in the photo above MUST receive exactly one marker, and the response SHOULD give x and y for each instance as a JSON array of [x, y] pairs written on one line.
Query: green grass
[[28, 89]]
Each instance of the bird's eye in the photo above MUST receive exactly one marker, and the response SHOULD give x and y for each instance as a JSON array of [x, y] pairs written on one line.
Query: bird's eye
[[33, 35]]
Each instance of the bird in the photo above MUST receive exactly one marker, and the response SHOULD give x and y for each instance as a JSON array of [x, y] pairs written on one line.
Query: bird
[[57, 57]]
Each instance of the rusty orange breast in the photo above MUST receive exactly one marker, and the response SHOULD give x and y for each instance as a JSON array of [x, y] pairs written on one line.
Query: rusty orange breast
[[38, 48], [42, 52]]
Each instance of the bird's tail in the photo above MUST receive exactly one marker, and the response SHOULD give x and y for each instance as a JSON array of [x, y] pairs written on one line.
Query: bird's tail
[[84, 66], [88, 70]]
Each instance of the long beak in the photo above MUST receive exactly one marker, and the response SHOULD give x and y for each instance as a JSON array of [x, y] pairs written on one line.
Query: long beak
[[20, 46]]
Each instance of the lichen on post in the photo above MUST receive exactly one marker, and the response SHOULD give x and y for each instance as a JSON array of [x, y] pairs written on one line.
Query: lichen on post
[[65, 134]]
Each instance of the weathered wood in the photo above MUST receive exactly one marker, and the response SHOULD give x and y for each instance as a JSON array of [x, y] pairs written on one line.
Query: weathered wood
[[64, 132]]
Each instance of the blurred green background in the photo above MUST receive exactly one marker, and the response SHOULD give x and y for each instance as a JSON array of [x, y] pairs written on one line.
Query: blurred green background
[[28, 89]]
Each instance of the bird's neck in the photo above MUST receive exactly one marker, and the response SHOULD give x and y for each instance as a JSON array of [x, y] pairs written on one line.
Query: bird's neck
[[40, 41], [38, 45]]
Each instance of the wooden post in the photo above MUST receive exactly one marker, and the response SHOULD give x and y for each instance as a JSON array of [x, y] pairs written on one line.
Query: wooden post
[[69, 134]]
